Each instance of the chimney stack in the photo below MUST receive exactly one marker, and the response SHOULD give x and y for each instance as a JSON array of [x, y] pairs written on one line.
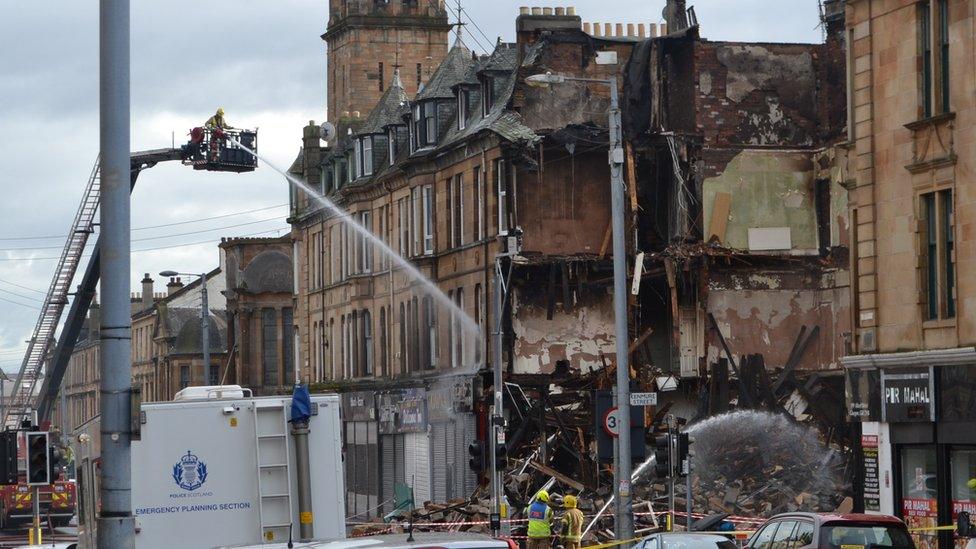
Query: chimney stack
[[147, 292], [175, 284]]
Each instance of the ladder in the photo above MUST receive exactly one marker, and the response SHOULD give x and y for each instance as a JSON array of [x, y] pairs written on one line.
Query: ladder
[[274, 478], [24, 396]]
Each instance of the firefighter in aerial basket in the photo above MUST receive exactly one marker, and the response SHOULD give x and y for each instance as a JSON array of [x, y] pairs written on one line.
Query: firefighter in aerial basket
[[216, 124], [540, 522]]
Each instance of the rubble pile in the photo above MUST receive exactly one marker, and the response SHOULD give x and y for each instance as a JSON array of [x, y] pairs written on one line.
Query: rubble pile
[[755, 455], [757, 464]]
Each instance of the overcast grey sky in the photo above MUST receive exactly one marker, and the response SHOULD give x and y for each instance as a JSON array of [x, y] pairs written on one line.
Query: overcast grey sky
[[263, 61]]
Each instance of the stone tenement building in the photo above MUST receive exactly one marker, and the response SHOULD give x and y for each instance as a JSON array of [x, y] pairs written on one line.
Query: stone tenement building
[[734, 204], [252, 336], [910, 172]]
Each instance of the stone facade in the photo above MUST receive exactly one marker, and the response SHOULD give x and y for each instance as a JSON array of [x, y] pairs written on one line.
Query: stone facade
[[261, 326], [367, 40], [909, 172]]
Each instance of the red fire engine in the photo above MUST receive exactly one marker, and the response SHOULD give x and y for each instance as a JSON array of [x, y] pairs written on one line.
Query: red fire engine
[[57, 501]]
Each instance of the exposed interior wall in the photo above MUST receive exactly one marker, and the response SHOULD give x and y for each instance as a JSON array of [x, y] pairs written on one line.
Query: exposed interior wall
[[578, 335], [762, 312], [564, 208], [767, 189]]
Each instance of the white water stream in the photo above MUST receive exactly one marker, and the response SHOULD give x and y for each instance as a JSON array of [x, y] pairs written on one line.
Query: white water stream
[[469, 327]]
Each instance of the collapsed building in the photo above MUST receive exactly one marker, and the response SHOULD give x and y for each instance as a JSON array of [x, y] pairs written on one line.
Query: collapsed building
[[737, 239]]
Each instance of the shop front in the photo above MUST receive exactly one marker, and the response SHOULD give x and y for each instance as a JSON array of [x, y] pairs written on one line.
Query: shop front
[[361, 455], [918, 437], [404, 444], [450, 406]]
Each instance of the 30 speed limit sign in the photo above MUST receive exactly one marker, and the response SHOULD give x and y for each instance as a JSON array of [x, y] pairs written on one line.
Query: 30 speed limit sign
[[611, 422]]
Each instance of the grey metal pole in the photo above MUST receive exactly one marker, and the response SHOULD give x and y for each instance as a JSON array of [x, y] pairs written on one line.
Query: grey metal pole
[[299, 431], [205, 330], [116, 525], [625, 517], [496, 366], [688, 495]]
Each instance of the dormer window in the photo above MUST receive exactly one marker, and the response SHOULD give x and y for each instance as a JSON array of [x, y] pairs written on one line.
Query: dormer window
[[487, 95], [462, 110], [424, 125], [364, 148], [391, 141]]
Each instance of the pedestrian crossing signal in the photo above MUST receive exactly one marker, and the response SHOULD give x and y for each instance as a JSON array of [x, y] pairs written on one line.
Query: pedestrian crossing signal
[[477, 452], [8, 457], [38, 459]]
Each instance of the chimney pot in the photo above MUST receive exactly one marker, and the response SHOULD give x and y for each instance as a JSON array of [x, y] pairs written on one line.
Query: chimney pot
[[571, 10], [640, 30], [597, 28], [630, 29], [560, 11], [664, 29], [607, 29], [547, 11], [586, 28], [536, 11], [652, 30], [620, 29], [523, 10]]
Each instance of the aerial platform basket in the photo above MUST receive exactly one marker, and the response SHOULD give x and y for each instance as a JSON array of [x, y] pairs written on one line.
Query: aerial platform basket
[[214, 150]]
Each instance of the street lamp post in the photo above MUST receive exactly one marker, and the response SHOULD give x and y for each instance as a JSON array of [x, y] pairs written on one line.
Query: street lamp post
[[204, 322], [622, 472]]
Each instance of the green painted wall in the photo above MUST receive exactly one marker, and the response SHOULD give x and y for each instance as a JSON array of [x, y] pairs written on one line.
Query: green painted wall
[[768, 189]]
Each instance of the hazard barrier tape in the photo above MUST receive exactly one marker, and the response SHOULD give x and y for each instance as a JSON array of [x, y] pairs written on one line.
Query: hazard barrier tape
[[932, 528]]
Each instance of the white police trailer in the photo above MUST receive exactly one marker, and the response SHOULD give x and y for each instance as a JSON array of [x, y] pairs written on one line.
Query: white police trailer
[[218, 467]]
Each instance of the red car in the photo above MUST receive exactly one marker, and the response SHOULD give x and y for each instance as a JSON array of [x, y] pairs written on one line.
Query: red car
[[831, 531]]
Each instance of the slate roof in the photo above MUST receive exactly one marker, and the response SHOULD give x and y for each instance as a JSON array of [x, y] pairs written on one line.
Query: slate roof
[[451, 72], [388, 111], [504, 58]]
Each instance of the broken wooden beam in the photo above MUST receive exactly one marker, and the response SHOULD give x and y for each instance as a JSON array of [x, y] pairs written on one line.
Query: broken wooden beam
[[549, 471]]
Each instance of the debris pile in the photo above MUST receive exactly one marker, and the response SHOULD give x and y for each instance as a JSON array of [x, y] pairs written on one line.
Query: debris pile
[[758, 464]]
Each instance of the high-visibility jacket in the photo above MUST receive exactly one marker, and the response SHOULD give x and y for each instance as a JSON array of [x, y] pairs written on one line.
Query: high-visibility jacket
[[540, 520], [216, 122], [574, 525]]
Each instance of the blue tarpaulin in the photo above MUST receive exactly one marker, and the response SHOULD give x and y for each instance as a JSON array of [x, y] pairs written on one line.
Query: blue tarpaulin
[[301, 405]]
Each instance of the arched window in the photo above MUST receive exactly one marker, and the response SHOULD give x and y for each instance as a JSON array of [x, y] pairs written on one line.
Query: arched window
[[402, 352], [367, 344], [384, 367]]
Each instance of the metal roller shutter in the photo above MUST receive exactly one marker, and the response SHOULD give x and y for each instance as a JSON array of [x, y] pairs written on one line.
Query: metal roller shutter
[[388, 474], [438, 444]]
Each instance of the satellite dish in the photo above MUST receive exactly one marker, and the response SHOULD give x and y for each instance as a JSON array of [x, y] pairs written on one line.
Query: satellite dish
[[327, 131]]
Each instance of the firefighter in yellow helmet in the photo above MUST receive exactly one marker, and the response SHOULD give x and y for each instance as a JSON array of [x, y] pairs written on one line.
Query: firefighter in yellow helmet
[[216, 124], [540, 522], [572, 524]]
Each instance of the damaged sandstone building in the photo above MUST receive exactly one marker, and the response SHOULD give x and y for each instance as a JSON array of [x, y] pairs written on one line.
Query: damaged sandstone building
[[737, 234]]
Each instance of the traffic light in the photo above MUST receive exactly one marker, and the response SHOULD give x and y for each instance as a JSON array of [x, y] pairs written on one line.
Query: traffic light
[[38, 458], [8, 457], [964, 525], [501, 456], [477, 451], [662, 456], [685, 453]]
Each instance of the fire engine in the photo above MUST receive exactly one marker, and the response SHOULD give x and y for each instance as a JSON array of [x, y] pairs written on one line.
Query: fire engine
[[57, 501]]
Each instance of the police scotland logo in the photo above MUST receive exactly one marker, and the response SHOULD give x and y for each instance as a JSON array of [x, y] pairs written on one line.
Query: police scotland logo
[[190, 473]]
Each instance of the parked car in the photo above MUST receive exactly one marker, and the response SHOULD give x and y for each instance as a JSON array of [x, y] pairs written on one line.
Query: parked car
[[831, 531], [446, 540], [686, 540]]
